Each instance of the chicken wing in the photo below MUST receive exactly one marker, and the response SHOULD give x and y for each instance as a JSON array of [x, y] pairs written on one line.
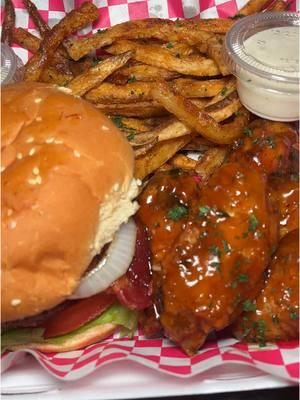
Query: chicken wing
[[275, 312]]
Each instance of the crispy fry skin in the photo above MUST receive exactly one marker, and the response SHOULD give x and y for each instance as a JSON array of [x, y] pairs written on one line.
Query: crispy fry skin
[[278, 5], [141, 72], [190, 32], [198, 120], [73, 21], [276, 314], [212, 159], [142, 109], [285, 194], [39, 22], [95, 75], [26, 39], [252, 7], [157, 56], [215, 51], [8, 23], [197, 88], [158, 155]]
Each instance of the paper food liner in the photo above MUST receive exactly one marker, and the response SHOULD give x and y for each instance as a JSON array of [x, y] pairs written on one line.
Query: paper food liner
[[280, 359]]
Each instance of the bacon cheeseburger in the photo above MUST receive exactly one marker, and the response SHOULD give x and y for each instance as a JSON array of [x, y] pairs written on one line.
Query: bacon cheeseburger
[[75, 266]]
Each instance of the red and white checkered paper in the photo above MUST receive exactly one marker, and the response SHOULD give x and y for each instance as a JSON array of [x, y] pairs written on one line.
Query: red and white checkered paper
[[280, 359]]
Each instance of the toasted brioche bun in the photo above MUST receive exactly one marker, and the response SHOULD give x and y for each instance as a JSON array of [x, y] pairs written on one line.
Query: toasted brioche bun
[[67, 185], [79, 341]]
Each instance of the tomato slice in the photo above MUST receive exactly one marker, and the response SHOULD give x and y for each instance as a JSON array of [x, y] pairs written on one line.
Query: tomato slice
[[77, 314], [134, 289]]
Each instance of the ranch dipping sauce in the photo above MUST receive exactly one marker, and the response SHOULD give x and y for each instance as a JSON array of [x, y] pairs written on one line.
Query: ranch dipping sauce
[[263, 53]]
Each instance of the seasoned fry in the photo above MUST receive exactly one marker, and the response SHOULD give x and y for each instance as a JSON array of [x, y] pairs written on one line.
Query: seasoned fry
[[190, 32], [59, 73], [212, 159], [157, 56], [130, 93], [215, 51], [198, 144], [141, 151], [158, 155], [141, 72], [278, 5], [224, 92], [95, 75], [224, 108], [73, 21], [197, 119], [143, 110], [183, 162], [8, 23], [194, 88], [252, 7], [41, 25]]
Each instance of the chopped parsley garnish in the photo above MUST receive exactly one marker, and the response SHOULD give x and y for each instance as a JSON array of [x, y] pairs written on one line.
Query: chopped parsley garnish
[[214, 250], [177, 212], [101, 30], [131, 136], [270, 142], [226, 246], [249, 305], [95, 61], [169, 45], [178, 22], [224, 91], [242, 278], [216, 265], [131, 79], [294, 315], [260, 327], [204, 211], [247, 132], [117, 120], [237, 16], [252, 223]]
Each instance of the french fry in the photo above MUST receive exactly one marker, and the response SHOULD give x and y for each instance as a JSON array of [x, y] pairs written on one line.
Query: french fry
[[198, 144], [183, 162], [8, 23], [157, 56], [197, 88], [212, 159], [141, 151], [73, 21], [224, 92], [199, 120], [215, 51], [252, 7], [141, 72], [278, 5], [224, 108], [59, 73], [190, 32], [158, 155], [142, 110], [95, 75], [135, 124], [108, 93], [39, 22]]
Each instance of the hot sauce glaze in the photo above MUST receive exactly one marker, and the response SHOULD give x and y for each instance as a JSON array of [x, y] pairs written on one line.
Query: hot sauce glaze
[[213, 248]]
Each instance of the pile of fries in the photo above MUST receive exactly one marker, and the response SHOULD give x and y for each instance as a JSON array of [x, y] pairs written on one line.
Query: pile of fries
[[163, 83]]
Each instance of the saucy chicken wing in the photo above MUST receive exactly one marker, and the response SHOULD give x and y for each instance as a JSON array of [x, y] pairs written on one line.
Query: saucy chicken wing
[[211, 266], [275, 313]]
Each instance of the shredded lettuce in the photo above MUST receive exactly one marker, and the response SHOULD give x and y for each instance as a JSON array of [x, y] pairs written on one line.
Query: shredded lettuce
[[116, 314]]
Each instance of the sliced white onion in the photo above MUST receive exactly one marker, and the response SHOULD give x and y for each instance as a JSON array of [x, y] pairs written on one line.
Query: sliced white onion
[[112, 266]]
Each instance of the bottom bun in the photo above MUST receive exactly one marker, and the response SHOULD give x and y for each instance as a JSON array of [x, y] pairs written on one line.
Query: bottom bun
[[91, 336]]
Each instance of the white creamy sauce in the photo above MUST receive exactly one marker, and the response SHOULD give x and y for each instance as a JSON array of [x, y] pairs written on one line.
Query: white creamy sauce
[[276, 48]]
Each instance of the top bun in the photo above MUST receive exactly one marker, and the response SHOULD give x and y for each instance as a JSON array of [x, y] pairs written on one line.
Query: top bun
[[67, 185]]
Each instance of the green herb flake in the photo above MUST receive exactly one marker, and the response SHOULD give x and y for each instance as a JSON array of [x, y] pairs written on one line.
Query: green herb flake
[[249, 305], [131, 79], [260, 327], [177, 212], [131, 136], [216, 265], [226, 246], [237, 264], [270, 142], [95, 61], [101, 30], [178, 23], [237, 16], [224, 91], [117, 120], [252, 223], [204, 211], [294, 315], [214, 250], [248, 132], [241, 278], [169, 45]]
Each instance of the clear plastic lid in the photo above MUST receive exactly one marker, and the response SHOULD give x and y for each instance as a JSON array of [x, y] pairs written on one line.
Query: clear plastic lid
[[11, 66], [241, 61]]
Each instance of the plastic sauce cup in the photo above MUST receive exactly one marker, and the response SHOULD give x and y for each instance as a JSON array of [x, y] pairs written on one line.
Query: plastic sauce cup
[[262, 51], [11, 66]]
